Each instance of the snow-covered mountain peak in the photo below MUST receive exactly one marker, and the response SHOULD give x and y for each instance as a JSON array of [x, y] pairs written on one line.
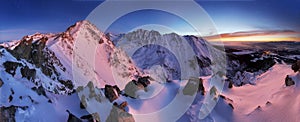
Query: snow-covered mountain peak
[[165, 50], [83, 48], [72, 57], [142, 32]]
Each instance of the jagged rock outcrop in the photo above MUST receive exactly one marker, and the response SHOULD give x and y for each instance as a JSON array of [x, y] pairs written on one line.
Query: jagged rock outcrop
[[112, 92], [7, 114], [83, 103], [228, 100], [35, 56], [201, 88], [289, 81], [36, 52], [28, 73], [72, 117], [119, 115], [242, 78], [10, 67], [121, 106], [133, 86], [39, 90], [144, 81], [243, 68], [194, 85], [31, 57], [1, 83], [94, 117], [296, 66]]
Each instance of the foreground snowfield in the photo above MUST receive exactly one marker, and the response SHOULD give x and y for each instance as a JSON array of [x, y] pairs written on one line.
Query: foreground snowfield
[[269, 99]]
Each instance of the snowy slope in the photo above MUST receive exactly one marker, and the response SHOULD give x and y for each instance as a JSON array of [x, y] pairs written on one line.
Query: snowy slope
[[32, 98], [269, 99], [92, 56]]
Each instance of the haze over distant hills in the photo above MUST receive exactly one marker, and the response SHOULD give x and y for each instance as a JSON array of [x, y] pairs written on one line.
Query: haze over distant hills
[[257, 36]]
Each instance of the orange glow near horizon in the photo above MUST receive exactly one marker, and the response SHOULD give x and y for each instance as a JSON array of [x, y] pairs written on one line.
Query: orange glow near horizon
[[255, 37]]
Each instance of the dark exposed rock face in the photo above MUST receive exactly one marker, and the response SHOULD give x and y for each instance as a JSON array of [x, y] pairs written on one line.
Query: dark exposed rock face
[[203, 61], [1, 52], [230, 84], [296, 66], [10, 98], [122, 106], [10, 67], [28, 73], [231, 105], [229, 101], [117, 89], [1, 83], [33, 53], [94, 117], [37, 53], [112, 92], [194, 85], [201, 88], [73, 118], [67, 83], [246, 64], [7, 114], [144, 81], [83, 103], [39, 90], [289, 81]]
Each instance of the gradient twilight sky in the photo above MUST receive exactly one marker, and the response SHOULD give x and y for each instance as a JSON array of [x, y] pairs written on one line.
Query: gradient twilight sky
[[22, 17]]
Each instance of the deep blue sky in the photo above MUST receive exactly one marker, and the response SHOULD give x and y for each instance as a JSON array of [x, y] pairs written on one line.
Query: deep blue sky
[[23, 17]]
